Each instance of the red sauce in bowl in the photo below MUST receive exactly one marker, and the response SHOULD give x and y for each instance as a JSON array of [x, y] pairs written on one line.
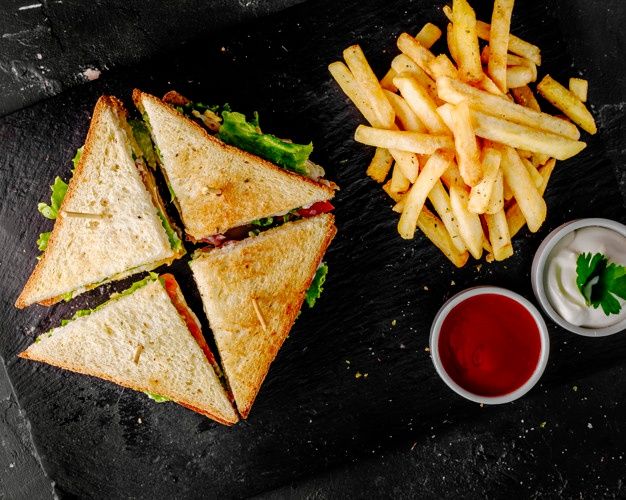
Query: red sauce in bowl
[[489, 345]]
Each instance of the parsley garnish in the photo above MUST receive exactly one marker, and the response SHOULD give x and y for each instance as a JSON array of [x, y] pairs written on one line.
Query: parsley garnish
[[600, 282]]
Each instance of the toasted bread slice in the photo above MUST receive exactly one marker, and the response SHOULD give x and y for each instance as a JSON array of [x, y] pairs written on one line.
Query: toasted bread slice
[[142, 342], [218, 186], [252, 292], [108, 225]]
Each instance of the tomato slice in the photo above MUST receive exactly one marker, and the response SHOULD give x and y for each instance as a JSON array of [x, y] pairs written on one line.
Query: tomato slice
[[320, 207], [173, 290]]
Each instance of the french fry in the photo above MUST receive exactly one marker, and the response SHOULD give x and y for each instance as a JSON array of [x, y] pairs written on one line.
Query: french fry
[[442, 66], [539, 159], [579, 88], [404, 64], [466, 39], [350, 87], [499, 42], [399, 183], [453, 91], [525, 97], [511, 60], [428, 35], [395, 196], [387, 82], [526, 193], [523, 137], [532, 170], [496, 200], [370, 86], [488, 85], [454, 53], [469, 223], [566, 101], [435, 231], [499, 235], [416, 51], [380, 165], [422, 104], [404, 114], [514, 216], [407, 162], [404, 140], [416, 197], [480, 194], [468, 156], [507, 193], [440, 199], [518, 76]]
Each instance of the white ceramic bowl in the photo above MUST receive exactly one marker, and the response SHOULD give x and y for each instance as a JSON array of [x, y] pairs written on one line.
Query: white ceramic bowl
[[435, 330], [537, 274]]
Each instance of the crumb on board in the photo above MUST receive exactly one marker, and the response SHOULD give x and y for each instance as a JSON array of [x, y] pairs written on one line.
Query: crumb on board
[[91, 74], [394, 322]]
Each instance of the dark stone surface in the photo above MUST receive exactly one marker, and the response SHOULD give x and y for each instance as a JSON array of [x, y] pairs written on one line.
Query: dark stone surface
[[312, 414]]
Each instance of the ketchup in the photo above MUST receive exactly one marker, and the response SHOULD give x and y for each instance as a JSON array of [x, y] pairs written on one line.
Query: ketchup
[[489, 345]]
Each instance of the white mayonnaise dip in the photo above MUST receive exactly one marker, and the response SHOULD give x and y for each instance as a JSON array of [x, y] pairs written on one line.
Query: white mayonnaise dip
[[560, 277]]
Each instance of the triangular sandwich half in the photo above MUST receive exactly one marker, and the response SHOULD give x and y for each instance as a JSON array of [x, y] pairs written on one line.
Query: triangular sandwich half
[[218, 186], [146, 339], [252, 291], [111, 222]]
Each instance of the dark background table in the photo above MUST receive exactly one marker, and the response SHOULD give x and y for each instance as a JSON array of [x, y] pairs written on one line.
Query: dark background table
[[567, 439]]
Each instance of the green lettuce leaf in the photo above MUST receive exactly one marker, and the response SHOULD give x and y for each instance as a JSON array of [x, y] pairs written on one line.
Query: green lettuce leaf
[[144, 141], [175, 241], [316, 288], [59, 188], [76, 159], [42, 242], [266, 221], [236, 130], [156, 397]]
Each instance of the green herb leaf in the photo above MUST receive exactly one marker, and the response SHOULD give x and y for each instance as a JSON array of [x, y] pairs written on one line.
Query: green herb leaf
[[316, 289], [42, 241], [600, 282], [236, 130], [59, 188]]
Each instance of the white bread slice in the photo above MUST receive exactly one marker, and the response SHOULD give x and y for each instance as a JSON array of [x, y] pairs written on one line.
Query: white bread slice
[[218, 186], [170, 363], [273, 269], [84, 252]]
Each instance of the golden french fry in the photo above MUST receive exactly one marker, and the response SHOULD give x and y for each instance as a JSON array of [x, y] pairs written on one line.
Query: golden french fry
[[468, 156], [469, 223], [399, 183], [566, 101], [532, 170], [370, 86], [511, 60], [518, 76], [351, 88], [496, 200], [480, 194], [428, 35], [442, 66], [453, 91], [416, 51], [421, 103], [405, 115], [387, 82], [404, 140], [525, 97], [523, 137], [507, 192], [514, 216], [579, 88], [539, 159], [499, 42], [435, 231], [403, 64], [380, 165], [488, 85], [454, 53], [395, 196], [440, 199], [466, 39], [524, 190], [408, 163], [499, 235], [416, 197]]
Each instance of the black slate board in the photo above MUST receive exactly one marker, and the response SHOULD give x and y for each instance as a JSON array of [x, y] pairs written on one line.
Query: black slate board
[[98, 440]]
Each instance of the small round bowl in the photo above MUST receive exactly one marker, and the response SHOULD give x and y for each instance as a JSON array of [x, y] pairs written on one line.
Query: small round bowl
[[537, 274], [435, 330]]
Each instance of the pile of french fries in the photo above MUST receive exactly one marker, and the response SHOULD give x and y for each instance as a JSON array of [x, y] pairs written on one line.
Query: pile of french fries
[[469, 150]]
